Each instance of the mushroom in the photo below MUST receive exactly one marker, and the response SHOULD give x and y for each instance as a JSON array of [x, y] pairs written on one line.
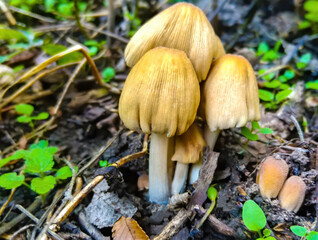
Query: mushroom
[[229, 98], [161, 96], [271, 176], [292, 195], [182, 26], [188, 149]]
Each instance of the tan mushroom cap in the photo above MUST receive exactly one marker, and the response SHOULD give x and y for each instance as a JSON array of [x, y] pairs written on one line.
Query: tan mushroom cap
[[161, 93], [292, 194], [182, 26], [231, 93], [271, 176], [189, 146]]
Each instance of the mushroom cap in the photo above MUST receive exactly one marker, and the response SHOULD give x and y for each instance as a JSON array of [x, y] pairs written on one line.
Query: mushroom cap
[[161, 93], [189, 146], [292, 195], [230, 93], [271, 176], [220, 51], [182, 26]]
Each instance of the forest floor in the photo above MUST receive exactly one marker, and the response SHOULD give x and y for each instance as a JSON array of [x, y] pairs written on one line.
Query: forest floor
[[84, 124]]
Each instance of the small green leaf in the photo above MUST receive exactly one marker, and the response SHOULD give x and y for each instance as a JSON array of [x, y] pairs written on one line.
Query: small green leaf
[[93, 51], [270, 56], [66, 9], [282, 78], [65, 172], [24, 119], [266, 131], [313, 235], [91, 43], [246, 132], [39, 160], [270, 238], [299, 230], [272, 84], [41, 116], [289, 74], [282, 95], [265, 95], [304, 24], [284, 86], [266, 232], [253, 216], [312, 17], [103, 163], [212, 193], [11, 180], [305, 58], [12, 36], [311, 6], [255, 125], [262, 48], [52, 49], [25, 109], [43, 185], [40, 144], [108, 74], [266, 77], [301, 65], [312, 85], [49, 5]]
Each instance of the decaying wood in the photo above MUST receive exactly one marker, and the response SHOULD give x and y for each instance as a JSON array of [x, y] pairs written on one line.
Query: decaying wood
[[205, 178], [174, 225], [197, 199]]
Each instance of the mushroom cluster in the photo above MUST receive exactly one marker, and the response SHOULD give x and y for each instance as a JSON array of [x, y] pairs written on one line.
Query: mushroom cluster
[[170, 56], [272, 182]]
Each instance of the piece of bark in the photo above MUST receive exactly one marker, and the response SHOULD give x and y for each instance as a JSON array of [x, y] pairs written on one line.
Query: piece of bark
[[174, 225], [205, 178]]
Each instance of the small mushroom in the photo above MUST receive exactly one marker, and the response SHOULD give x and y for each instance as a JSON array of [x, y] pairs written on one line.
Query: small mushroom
[[292, 195], [271, 176], [188, 149], [161, 96], [229, 98], [182, 26]]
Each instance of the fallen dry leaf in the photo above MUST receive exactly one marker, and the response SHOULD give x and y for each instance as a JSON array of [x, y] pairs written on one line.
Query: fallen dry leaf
[[128, 229]]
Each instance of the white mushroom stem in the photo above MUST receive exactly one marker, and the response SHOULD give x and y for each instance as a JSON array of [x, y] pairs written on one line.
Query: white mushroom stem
[[161, 150], [210, 137], [180, 178]]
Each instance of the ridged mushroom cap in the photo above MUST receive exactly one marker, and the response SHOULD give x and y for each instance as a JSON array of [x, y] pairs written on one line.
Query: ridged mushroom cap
[[161, 93], [189, 146], [271, 176], [292, 195], [182, 26], [220, 51], [231, 94]]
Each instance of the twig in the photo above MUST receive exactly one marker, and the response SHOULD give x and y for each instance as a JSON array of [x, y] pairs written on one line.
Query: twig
[[8, 201], [110, 20], [216, 224], [175, 224], [14, 235], [7, 12], [77, 19], [91, 229], [34, 219], [113, 35], [299, 131], [7, 226], [33, 15], [91, 185], [274, 69]]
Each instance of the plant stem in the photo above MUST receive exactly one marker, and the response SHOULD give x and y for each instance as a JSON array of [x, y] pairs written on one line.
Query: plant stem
[[180, 178], [27, 185], [207, 213], [161, 150]]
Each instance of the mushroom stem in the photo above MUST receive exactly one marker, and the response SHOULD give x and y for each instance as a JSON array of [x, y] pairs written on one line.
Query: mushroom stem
[[210, 137], [161, 150], [180, 178]]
